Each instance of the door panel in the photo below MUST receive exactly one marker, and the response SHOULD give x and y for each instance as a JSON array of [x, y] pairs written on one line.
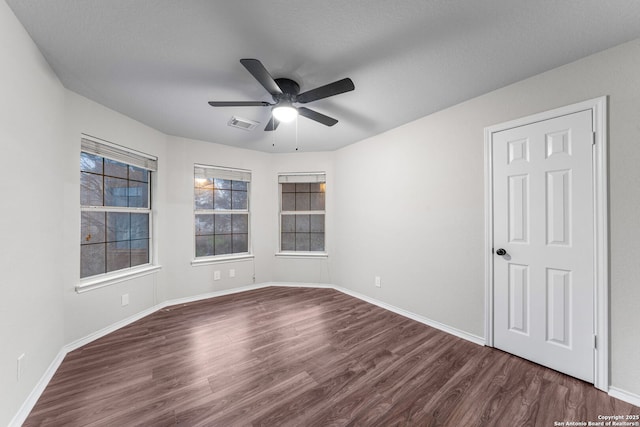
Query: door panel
[[519, 298], [543, 218], [518, 209], [559, 306], [558, 207]]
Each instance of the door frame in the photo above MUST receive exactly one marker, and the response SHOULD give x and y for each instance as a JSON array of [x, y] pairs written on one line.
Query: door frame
[[598, 107]]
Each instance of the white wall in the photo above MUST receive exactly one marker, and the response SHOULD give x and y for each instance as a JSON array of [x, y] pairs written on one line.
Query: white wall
[[31, 211], [406, 205], [410, 202], [301, 270], [94, 310], [410, 207], [185, 280]]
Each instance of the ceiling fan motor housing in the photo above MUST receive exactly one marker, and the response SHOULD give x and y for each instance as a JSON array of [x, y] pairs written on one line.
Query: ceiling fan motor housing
[[290, 90], [285, 93]]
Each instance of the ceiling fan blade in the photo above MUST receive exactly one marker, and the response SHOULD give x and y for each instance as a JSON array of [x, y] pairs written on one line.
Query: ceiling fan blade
[[239, 103], [318, 117], [272, 125], [335, 88], [261, 74]]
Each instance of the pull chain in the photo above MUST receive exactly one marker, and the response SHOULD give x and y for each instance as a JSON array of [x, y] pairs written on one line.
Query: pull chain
[[273, 131], [297, 132]]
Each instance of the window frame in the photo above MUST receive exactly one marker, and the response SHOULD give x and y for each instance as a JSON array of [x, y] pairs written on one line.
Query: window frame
[[227, 173], [301, 178], [130, 157]]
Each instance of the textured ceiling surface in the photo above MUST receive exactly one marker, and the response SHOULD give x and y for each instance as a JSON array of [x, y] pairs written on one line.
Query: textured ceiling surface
[[160, 61]]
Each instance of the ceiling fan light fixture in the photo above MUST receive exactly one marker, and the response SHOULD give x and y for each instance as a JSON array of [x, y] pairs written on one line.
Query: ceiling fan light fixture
[[284, 112], [286, 92]]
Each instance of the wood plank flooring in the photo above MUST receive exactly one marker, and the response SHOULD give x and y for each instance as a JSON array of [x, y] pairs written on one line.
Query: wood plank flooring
[[304, 357]]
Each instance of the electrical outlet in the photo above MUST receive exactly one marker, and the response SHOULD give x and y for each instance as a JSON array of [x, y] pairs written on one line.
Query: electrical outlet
[[125, 299], [232, 272], [20, 366], [377, 281], [216, 275]]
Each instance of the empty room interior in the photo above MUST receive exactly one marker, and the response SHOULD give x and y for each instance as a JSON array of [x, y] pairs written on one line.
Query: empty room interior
[[443, 231]]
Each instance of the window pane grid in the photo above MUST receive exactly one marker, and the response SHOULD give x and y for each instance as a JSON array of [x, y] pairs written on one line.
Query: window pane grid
[[115, 215], [221, 211], [212, 244], [112, 184], [142, 180], [302, 217], [221, 195]]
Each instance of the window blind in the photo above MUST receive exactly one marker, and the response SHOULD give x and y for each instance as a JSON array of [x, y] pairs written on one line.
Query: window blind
[[210, 172], [302, 177], [120, 154]]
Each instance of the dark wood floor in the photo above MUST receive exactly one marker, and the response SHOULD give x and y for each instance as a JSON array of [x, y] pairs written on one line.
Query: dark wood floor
[[303, 357]]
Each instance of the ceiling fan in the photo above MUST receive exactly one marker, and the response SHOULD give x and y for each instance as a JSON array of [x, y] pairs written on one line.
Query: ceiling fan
[[285, 93]]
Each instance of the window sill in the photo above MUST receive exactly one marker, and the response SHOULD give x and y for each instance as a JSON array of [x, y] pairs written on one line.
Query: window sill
[[113, 278], [302, 254], [221, 259]]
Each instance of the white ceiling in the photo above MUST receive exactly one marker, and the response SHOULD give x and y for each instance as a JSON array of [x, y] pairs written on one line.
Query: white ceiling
[[160, 61]]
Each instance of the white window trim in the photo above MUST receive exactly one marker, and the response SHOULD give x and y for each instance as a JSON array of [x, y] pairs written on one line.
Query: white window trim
[[221, 259], [300, 254], [90, 144], [224, 173], [107, 279], [109, 150], [300, 177]]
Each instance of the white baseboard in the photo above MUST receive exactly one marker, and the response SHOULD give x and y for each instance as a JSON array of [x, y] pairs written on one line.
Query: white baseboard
[[213, 294], [37, 391], [418, 318], [424, 320], [30, 402], [109, 329], [124, 322], [628, 397]]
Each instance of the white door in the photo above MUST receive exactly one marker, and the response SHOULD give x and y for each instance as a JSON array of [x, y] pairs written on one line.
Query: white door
[[544, 221]]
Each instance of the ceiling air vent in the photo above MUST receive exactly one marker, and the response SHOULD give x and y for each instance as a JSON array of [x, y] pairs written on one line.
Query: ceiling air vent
[[244, 124]]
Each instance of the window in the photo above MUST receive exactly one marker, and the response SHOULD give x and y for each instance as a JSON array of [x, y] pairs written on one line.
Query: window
[[302, 212], [115, 208], [221, 211]]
